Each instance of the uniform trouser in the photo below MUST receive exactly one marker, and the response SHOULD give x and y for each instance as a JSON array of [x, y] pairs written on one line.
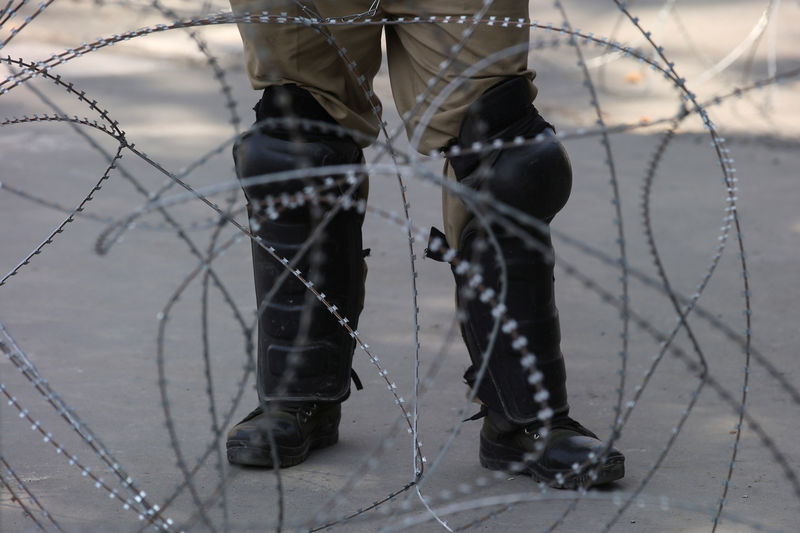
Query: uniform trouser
[[337, 63]]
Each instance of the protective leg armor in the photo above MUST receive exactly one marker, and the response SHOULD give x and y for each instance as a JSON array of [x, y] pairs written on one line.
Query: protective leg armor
[[536, 179], [304, 354]]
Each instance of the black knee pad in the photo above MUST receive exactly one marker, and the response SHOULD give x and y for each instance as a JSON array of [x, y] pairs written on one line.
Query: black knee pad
[[290, 145], [536, 177]]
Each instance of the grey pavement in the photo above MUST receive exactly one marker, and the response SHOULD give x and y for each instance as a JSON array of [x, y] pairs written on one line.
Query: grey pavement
[[90, 323]]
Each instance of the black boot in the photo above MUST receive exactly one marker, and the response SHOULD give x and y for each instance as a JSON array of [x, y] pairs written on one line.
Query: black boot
[[304, 352], [296, 428], [568, 456], [521, 400]]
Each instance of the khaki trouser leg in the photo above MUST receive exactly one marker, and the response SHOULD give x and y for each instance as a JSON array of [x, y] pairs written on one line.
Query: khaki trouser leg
[[291, 53], [416, 52], [415, 55]]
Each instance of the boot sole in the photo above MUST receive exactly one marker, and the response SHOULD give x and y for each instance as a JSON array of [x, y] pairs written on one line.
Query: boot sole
[[241, 453], [497, 457]]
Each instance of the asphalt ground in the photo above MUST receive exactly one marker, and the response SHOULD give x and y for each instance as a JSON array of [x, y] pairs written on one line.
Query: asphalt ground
[[90, 322]]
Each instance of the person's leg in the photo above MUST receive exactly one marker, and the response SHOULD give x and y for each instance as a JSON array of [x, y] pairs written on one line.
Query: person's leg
[[494, 105], [304, 351]]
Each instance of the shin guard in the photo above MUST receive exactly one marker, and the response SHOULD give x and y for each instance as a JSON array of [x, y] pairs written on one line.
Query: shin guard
[[304, 352], [534, 178]]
